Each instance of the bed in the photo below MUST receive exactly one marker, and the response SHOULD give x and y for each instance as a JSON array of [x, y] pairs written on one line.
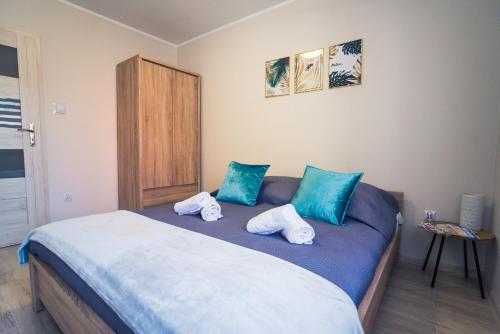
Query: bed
[[362, 275]]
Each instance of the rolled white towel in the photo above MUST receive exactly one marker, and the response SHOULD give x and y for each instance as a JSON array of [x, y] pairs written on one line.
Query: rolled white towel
[[298, 231], [268, 222], [211, 211], [285, 219], [192, 205]]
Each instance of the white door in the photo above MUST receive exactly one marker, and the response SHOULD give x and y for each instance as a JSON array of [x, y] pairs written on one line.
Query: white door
[[23, 200]]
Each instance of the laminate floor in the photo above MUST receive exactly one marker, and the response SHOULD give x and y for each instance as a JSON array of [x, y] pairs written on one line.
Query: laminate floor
[[453, 306], [409, 304], [16, 315]]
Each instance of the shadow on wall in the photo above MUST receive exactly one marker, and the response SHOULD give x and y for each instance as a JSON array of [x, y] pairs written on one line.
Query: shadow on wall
[[491, 255], [409, 215], [491, 264]]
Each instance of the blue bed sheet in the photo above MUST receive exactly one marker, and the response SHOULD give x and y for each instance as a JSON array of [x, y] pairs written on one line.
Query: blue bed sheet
[[345, 255]]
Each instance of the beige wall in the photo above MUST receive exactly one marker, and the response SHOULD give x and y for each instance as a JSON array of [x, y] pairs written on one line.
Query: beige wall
[[424, 121], [79, 54]]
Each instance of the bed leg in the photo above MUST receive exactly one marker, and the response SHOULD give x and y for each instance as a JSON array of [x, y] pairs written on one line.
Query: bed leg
[[36, 303]]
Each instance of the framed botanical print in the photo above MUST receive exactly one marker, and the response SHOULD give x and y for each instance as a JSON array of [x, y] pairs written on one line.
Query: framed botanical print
[[277, 77], [345, 62], [309, 71]]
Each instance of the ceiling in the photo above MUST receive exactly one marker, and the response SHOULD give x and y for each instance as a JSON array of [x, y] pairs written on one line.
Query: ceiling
[[176, 21]]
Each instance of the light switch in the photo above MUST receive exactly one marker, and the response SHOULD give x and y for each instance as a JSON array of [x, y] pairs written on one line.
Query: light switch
[[58, 108]]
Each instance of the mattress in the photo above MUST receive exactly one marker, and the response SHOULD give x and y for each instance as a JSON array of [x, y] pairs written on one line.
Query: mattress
[[345, 255]]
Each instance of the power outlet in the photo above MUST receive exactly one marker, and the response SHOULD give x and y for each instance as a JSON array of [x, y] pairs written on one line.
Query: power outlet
[[67, 197], [430, 215]]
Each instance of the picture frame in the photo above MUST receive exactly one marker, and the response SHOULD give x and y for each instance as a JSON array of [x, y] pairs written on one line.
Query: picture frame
[[309, 74], [345, 64], [277, 77]]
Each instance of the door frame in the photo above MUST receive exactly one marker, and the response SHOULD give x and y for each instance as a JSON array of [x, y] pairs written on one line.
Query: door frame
[[31, 96]]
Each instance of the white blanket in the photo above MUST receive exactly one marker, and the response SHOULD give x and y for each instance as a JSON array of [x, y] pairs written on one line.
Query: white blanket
[[201, 203], [160, 278], [284, 219]]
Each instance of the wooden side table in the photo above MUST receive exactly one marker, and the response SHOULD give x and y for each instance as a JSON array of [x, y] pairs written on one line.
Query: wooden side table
[[482, 236]]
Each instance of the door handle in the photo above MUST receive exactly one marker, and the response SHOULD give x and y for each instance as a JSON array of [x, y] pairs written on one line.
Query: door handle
[[31, 131]]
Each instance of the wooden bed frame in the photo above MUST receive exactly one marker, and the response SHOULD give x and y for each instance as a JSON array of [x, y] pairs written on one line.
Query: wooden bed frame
[[73, 315]]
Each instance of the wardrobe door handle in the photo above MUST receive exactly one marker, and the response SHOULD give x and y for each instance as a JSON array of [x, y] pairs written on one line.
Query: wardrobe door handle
[[31, 131]]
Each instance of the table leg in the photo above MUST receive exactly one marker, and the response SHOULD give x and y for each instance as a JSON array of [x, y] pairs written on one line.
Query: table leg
[[466, 267], [429, 252], [478, 269], [438, 260]]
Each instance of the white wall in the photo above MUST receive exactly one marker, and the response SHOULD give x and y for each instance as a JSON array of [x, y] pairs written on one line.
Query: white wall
[[424, 121], [79, 54]]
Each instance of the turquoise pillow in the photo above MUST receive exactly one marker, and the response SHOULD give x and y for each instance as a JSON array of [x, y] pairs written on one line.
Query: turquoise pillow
[[325, 195], [242, 183]]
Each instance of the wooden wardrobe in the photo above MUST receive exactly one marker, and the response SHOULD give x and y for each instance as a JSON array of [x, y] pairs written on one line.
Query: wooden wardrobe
[[158, 113]]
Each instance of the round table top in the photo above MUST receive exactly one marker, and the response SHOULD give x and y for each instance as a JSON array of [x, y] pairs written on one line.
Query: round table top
[[485, 235], [482, 234]]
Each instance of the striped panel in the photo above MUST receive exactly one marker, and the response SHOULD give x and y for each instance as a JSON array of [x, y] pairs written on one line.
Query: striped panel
[[10, 113], [11, 163], [8, 61], [10, 139], [9, 87]]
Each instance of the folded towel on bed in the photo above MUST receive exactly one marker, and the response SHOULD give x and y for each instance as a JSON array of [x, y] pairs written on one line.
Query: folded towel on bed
[[192, 205], [200, 203], [211, 211], [284, 219], [298, 232]]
